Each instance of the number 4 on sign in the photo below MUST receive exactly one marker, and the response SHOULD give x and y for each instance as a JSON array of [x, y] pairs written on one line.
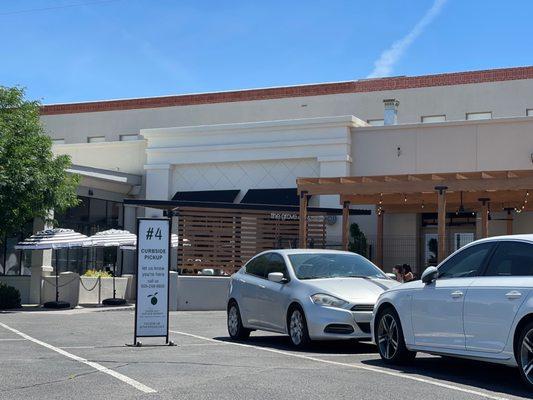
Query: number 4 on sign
[[158, 233]]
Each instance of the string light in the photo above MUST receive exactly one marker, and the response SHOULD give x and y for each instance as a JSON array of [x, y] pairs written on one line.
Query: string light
[[524, 202]]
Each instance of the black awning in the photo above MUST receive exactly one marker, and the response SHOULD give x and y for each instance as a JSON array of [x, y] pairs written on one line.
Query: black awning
[[211, 196], [174, 204], [284, 197]]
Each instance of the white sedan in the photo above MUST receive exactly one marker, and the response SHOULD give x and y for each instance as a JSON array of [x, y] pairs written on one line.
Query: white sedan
[[478, 304], [307, 294]]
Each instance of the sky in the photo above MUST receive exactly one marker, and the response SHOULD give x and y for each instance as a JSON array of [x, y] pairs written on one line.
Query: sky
[[83, 50]]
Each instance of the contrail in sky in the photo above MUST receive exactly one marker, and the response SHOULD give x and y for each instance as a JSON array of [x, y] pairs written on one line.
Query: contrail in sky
[[384, 65]]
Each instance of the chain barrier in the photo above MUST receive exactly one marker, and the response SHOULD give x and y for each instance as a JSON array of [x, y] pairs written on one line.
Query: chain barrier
[[72, 280], [95, 284]]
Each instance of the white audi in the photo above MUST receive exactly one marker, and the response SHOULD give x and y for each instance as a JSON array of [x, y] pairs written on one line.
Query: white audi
[[477, 304], [308, 294]]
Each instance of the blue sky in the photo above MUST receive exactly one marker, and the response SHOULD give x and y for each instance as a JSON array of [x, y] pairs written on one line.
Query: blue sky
[[80, 50]]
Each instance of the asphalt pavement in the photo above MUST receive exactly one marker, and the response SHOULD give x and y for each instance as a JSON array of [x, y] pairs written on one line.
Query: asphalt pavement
[[81, 354]]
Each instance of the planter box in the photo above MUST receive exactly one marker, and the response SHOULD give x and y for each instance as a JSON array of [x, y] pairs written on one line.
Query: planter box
[[202, 293], [94, 290], [69, 283]]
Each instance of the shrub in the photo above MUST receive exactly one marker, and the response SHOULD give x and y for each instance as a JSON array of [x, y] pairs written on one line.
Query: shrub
[[9, 297], [92, 273], [358, 244]]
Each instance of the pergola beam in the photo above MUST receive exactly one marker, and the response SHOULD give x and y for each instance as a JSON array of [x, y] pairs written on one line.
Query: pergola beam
[[417, 183], [345, 225], [441, 222], [302, 235]]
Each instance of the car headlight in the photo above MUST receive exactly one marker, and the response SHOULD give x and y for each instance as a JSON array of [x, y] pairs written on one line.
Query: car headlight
[[329, 301]]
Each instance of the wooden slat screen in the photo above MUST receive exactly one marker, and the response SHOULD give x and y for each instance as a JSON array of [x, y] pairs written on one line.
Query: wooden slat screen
[[225, 239]]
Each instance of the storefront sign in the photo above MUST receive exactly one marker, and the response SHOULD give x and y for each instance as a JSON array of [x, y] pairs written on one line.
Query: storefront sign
[[294, 217], [153, 261]]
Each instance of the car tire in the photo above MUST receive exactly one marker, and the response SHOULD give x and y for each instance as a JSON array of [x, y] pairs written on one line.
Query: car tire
[[524, 354], [389, 338], [236, 329], [297, 327]]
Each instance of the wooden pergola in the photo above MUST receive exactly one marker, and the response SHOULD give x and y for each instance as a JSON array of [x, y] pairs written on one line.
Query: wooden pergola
[[421, 193]]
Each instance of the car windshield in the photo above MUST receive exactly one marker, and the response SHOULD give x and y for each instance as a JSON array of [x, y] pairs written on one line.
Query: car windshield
[[332, 265]]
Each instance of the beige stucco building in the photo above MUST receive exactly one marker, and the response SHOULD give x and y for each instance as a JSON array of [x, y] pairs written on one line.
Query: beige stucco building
[[153, 148]]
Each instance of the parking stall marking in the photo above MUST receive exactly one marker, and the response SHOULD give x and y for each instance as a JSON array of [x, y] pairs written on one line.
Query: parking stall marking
[[354, 366], [132, 382]]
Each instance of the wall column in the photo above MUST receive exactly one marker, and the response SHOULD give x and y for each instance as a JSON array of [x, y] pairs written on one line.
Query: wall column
[[441, 201], [333, 166], [158, 179], [484, 216], [304, 198], [379, 239], [41, 263], [345, 225]]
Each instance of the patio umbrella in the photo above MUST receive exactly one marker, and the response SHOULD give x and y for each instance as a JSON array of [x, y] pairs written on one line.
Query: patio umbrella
[[53, 239], [112, 238]]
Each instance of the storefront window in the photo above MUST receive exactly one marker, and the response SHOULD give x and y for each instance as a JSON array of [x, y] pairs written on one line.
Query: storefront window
[[90, 216], [15, 262], [12, 257]]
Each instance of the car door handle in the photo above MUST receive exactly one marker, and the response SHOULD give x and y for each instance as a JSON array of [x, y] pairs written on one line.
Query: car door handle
[[513, 294], [457, 294], [262, 286], [242, 280]]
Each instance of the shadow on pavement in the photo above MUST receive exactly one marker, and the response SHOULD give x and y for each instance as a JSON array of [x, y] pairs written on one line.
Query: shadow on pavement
[[282, 342], [481, 375], [492, 377]]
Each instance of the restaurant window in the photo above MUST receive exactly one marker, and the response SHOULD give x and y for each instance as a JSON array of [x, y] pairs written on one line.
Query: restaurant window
[[128, 138], [376, 122], [478, 115], [429, 119], [96, 139], [15, 262], [91, 215], [529, 112]]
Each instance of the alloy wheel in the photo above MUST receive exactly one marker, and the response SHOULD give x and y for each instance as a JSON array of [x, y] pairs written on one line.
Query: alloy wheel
[[296, 327], [233, 320], [388, 336], [526, 356]]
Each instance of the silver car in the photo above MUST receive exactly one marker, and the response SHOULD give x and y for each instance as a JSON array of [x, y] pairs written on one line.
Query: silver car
[[308, 294]]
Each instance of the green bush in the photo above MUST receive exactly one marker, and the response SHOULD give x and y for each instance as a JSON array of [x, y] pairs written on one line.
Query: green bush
[[358, 244], [9, 297], [92, 273]]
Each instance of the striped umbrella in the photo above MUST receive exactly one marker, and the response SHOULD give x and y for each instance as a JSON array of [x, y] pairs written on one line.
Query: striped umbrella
[[53, 239], [112, 238], [174, 242], [57, 238]]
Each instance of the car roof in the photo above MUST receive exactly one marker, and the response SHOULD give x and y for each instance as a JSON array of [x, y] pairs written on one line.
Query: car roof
[[523, 237], [308, 251]]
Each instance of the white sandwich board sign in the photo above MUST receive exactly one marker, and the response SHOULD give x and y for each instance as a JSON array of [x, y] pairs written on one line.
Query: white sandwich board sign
[[152, 279]]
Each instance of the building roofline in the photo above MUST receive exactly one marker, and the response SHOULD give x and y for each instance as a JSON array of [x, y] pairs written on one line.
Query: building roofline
[[320, 89]]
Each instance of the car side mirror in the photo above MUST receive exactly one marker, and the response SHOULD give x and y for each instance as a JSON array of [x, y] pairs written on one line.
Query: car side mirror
[[429, 275], [277, 277]]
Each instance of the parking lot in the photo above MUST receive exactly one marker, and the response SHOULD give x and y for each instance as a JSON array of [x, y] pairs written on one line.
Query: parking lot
[[81, 354]]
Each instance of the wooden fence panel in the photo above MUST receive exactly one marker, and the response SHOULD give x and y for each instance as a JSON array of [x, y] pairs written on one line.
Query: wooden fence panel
[[226, 238]]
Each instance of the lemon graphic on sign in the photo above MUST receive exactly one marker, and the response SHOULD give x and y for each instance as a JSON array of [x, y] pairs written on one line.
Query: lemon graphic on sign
[[153, 299]]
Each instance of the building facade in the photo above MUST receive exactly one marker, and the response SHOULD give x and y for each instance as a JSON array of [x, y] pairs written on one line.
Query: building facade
[[153, 148]]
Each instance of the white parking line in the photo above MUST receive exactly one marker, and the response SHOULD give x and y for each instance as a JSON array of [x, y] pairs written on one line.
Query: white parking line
[[99, 367], [355, 366], [12, 340]]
